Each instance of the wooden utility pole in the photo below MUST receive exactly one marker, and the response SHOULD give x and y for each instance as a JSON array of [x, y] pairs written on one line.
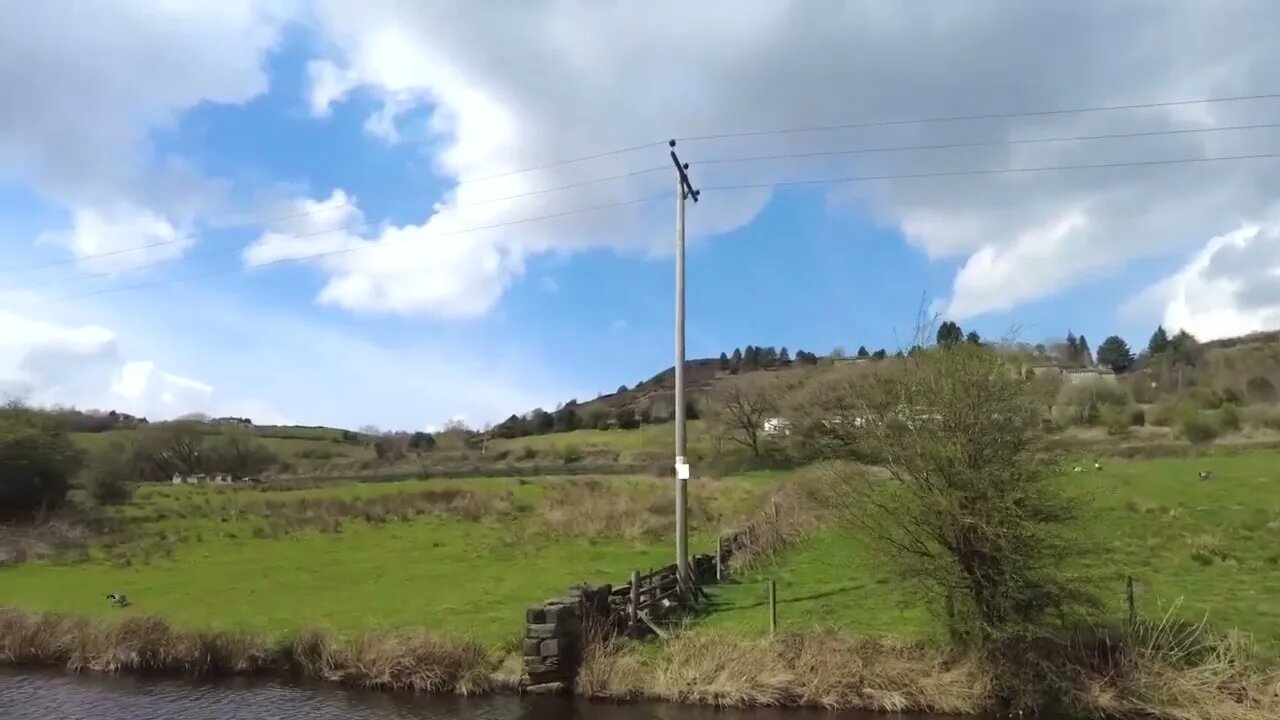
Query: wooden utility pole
[[684, 190]]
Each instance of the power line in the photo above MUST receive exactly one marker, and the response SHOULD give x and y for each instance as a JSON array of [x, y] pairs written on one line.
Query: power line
[[745, 186], [643, 146], [983, 116], [171, 241], [557, 163], [341, 251], [992, 171], [991, 143], [305, 213]]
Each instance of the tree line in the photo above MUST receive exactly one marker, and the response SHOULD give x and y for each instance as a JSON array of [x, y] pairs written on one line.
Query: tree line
[[39, 460]]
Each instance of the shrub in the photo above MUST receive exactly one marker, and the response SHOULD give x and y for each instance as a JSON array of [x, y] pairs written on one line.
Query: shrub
[[1260, 389], [1202, 398], [1229, 418], [570, 453], [1137, 416], [1266, 416], [1114, 419], [1165, 414], [995, 543], [109, 475], [1198, 427], [1233, 396], [37, 458], [527, 452]]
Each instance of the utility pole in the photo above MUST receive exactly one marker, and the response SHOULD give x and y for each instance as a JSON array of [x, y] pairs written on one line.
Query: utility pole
[[684, 189]]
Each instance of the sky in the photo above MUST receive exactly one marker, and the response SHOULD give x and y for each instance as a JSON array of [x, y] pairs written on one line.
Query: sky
[[400, 213]]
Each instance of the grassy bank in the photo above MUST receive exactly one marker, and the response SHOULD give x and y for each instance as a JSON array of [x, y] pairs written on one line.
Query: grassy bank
[[466, 556], [422, 585], [416, 661], [1161, 670], [1209, 549]]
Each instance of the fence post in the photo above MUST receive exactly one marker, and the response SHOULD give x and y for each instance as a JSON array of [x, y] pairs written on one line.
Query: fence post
[[719, 557], [634, 610], [1128, 598], [773, 607]]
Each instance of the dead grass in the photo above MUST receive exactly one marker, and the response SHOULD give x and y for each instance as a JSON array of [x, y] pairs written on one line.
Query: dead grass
[[592, 508], [1180, 672], [415, 661], [784, 517], [816, 668]]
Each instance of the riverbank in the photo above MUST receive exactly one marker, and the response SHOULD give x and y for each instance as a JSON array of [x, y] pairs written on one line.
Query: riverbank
[[1167, 675]]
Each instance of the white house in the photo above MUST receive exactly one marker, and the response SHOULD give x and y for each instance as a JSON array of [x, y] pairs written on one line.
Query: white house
[[776, 426]]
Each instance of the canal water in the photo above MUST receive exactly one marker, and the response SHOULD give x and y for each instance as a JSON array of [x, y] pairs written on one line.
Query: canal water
[[58, 696]]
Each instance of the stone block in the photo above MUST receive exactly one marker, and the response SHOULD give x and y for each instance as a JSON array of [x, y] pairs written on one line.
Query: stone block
[[534, 665], [547, 688], [560, 613], [532, 646], [552, 646], [541, 630], [543, 679], [536, 614]]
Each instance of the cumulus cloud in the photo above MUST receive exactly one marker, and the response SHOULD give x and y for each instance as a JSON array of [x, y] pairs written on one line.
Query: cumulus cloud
[[526, 85], [46, 362], [1228, 288], [121, 238], [83, 91]]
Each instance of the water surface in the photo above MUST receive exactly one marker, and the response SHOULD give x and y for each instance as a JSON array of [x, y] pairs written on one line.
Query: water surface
[[58, 696]]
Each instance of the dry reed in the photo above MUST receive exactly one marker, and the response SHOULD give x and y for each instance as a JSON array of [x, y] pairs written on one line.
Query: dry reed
[[816, 668], [415, 661]]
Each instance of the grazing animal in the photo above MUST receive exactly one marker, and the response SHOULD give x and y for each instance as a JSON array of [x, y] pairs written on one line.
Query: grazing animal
[[1078, 469], [117, 600], [1206, 474], [1097, 465]]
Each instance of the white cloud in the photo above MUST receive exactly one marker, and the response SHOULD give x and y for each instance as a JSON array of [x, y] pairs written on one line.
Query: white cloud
[[1228, 288], [526, 85], [84, 89], [121, 238], [46, 362]]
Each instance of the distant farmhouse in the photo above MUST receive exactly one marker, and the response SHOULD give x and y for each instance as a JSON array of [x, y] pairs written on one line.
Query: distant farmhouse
[[213, 479]]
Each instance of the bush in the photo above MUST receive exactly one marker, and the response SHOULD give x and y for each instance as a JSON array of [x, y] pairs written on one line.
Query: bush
[[570, 453], [1202, 398], [1165, 414], [1114, 419], [997, 542], [527, 452], [37, 458], [109, 476], [1229, 418], [1137, 416], [1198, 427], [1260, 389], [1233, 396]]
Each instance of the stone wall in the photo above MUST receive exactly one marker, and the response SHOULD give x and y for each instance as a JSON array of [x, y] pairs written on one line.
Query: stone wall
[[555, 634]]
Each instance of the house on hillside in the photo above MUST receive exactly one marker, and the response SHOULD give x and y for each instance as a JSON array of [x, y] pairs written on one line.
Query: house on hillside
[[1089, 375], [776, 426]]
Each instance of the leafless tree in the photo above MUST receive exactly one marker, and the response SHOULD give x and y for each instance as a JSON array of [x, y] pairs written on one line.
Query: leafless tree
[[739, 408]]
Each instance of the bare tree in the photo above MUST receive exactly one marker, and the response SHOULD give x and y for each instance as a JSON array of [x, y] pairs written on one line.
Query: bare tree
[[740, 407]]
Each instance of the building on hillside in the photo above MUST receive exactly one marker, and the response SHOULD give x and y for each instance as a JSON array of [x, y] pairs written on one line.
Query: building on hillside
[[1089, 375], [776, 426]]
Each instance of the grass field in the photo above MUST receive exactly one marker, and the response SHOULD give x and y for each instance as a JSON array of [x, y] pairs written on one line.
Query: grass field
[[1210, 549], [647, 438], [468, 559]]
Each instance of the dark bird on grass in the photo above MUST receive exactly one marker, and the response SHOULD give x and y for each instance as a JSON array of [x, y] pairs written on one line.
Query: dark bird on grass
[[1206, 474], [118, 599]]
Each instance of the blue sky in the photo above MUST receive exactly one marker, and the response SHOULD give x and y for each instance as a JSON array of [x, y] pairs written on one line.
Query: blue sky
[[379, 132]]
